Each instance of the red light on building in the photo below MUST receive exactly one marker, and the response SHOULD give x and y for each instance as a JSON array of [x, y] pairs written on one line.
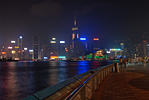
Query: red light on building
[[66, 50], [139, 44], [96, 39], [19, 51], [144, 41], [3, 53]]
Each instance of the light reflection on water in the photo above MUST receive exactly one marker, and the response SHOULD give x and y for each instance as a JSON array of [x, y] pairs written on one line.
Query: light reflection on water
[[21, 79]]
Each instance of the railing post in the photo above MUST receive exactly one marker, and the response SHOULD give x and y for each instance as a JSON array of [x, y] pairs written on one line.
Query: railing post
[[113, 69], [106, 72], [93, 87], [102, 75], [83, 93], [97, 78]]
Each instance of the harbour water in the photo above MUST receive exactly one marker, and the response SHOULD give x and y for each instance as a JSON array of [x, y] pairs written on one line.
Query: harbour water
[[21, 79]]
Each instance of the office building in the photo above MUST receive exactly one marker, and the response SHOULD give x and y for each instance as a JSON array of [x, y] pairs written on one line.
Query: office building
[[36, 48]]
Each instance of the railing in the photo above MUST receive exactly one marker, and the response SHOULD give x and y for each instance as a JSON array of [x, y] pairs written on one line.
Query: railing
[[80, 87], [86, 90]]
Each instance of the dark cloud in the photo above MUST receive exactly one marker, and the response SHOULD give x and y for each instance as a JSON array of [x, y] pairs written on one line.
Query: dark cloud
[[46, 8]]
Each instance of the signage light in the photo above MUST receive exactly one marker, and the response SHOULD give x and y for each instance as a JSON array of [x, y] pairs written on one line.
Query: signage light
[[16, 47], [3, 53], [96, 39], [82, 38], [30, 50], [62, 41], [115, 49], [13, 41], [25, 48], [45, 57], [9, 47], [61, 56], [53, 38], [53, 41]]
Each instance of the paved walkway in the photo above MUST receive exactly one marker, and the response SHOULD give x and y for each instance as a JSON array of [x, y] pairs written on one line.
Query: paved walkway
[[131, 83]]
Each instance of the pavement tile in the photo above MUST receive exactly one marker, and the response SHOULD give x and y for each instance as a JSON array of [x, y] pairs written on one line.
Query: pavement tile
[[131, 83]]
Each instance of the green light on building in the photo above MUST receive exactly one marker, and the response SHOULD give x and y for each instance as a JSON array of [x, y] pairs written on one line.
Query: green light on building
[[99, 56], [89, 56]]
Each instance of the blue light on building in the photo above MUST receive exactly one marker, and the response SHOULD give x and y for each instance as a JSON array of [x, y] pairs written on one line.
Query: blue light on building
[[83, 39]]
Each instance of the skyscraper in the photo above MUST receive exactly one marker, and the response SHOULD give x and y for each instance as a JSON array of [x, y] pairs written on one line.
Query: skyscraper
[[53, 48], [75, 41], [36, 47]]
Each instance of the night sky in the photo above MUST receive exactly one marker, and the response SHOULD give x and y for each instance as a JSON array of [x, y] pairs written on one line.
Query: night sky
[[111, 20]]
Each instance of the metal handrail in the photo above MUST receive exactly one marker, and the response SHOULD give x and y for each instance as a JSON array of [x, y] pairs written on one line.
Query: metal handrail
[[77, 90]]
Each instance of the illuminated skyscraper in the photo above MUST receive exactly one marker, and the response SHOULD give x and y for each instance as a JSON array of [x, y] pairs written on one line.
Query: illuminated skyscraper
[[75, 34], [53, 47], [20, 42], [19, 53], [75, 41]]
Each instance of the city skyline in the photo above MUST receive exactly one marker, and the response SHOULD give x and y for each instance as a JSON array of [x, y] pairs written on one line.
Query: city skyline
[[114, 20]]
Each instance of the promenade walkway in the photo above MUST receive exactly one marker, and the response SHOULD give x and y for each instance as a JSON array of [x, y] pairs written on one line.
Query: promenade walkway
[[131, 83]]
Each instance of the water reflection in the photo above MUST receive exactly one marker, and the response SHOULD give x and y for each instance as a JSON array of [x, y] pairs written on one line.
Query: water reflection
[[83, 66], [21, 79]]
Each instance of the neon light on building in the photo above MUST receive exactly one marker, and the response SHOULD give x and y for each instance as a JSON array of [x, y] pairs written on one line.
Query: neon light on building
[[61, 56], [77, 36], [53, 57], [3, 53], [13, 41], [13, 52], [53, 41], [96, 39], [16, 47], [53, 38], [62, 41], [45, 57], [9, 47], [30, 50], [82, 38], [25, 48], [73, 36], [115, 49]]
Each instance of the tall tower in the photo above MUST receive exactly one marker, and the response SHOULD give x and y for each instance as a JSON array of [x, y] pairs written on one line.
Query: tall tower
[[75, 40], [36, 49], [75, 34], [20, 47]]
